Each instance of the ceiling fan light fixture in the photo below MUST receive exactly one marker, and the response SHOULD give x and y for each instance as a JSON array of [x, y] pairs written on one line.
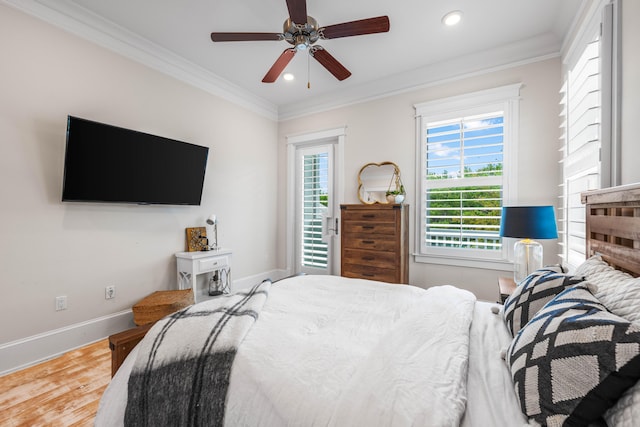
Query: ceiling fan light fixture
[[302, 42], [452, 18], [288, 76]]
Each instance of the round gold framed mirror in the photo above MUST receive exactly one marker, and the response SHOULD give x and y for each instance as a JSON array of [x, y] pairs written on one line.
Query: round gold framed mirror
[[375, 180]]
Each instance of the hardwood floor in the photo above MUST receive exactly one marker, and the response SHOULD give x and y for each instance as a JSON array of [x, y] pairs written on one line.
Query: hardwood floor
[[64, 391]]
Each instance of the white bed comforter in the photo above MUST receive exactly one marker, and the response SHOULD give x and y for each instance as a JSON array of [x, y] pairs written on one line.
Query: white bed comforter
[[330, 351], [347, 352]]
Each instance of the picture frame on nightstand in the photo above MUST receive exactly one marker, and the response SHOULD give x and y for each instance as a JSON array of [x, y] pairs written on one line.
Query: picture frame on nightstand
[[196, 239]]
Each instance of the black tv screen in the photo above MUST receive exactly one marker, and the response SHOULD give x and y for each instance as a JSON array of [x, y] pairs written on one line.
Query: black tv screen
[[105, 163]]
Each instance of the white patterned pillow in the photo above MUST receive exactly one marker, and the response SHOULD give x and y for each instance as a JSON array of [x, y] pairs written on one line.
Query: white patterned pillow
[[592, 265], [573, 360], [533, 293], [618, 291]]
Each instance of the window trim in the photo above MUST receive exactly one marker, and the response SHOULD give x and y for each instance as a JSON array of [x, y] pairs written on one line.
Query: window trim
[[505, 98]]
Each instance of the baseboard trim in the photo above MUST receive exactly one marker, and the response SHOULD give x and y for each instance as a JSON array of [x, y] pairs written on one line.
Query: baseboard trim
[[25, 352], [247, 282]]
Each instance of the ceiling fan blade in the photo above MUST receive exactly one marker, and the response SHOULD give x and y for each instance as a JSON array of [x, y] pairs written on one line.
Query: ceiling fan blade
[[330, 63], [297, 11], [244, 37], [280, 64], [361, 27]]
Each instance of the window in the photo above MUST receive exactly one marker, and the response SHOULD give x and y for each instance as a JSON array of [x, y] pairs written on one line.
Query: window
[[465, 148]]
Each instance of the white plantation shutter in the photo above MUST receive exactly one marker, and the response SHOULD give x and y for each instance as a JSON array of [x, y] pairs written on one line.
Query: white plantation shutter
[[464, 161], [315, 181], [581, 116], [590, 121]]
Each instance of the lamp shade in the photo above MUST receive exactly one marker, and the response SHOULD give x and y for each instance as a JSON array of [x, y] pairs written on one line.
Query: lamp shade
[[528, 222]]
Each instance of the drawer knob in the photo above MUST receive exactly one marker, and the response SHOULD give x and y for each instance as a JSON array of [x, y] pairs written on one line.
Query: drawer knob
[[368, 242], [368, 258]]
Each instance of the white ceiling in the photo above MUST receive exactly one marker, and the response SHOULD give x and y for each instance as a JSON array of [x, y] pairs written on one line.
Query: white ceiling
[[418, 49]]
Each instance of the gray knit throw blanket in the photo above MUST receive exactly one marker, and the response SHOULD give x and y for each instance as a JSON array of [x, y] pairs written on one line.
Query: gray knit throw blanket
[[181, 374]]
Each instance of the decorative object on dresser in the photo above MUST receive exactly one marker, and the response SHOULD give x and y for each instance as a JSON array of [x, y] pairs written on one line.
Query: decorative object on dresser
[[216, 264], [375, 242], [395, 193], [376, 181], [528, 222]]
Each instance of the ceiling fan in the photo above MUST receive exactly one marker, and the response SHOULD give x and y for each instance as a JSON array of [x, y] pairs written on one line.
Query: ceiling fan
[[302, 32]]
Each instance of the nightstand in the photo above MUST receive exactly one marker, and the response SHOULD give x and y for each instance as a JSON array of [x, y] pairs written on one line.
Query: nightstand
[[215, 263], [507, 285]]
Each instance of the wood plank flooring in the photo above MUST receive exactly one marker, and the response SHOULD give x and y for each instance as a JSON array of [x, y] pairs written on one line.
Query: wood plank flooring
[[64, 391]]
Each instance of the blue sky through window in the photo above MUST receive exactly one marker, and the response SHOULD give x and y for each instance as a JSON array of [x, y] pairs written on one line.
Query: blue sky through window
[[464, 146]]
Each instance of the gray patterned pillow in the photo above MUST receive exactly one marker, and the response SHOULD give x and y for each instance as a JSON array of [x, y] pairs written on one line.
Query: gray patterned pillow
[[573, 360], [533, 293]]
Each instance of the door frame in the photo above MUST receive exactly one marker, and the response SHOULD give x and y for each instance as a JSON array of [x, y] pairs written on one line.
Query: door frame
[[336, 137]]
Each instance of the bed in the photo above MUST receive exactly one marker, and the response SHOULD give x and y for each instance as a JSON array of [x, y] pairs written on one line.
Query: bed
[[318, 350]]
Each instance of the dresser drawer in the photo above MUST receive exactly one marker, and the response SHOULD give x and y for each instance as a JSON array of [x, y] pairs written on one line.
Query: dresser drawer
[[378, 243], [383, 259], [369, 215], [211, 264], [373, 227], [371, 273]]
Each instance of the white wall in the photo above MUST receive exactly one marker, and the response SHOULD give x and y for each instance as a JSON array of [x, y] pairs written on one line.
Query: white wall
[[49, 248], [384, 129], [630, 92]]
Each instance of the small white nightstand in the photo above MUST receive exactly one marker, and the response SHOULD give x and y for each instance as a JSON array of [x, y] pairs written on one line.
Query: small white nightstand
[[215, 262]]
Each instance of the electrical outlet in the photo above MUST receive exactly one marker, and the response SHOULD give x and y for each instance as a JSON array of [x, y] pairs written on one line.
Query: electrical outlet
[[61, 303], [109, 292]]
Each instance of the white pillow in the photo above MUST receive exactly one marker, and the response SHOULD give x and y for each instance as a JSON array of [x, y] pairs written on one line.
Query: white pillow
[[595, 264], [626, 409], [618, 291]]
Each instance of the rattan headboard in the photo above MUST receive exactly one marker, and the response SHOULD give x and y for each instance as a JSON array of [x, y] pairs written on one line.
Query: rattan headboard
[[613, 226]]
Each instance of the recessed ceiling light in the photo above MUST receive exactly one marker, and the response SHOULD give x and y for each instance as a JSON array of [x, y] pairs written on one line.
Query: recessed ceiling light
[[452, 18], [288, 76]]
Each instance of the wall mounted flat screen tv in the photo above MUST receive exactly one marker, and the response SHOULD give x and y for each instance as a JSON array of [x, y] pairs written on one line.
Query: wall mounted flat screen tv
[[105, 163]]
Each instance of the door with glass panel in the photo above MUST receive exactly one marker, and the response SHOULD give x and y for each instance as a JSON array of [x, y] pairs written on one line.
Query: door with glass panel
[[316, 218]]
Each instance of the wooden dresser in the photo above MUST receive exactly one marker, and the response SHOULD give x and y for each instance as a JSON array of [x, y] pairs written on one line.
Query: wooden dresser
[[375, 242]]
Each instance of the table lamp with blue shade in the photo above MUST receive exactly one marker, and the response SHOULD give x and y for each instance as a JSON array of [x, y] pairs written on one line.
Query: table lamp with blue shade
[[527, 223]]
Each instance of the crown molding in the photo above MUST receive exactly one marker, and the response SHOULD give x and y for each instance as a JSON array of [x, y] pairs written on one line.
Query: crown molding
[[503, 57], [69, 16], [89, 26]]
